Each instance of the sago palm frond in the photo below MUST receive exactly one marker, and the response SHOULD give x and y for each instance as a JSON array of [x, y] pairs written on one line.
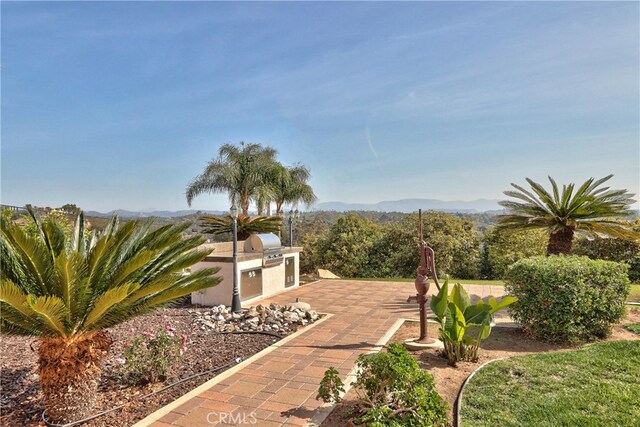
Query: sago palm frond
[[590, 209], [58, 285], [246, 225]]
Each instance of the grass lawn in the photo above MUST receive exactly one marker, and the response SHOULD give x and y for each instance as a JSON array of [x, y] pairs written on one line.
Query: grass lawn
[[596, 385], [634, 295], [461, 281]]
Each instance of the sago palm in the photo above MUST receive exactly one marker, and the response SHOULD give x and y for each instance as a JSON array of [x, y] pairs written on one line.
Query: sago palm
[[239, 171], [66, 290], [590, 209], [246, 225]]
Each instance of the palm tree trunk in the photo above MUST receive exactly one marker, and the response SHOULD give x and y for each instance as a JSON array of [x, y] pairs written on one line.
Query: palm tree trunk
[[560, 242], [69, 371], [244, 204]]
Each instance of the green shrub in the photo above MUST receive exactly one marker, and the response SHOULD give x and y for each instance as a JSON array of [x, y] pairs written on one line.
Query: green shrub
[[393, 390], [568, 298], [147, 358]]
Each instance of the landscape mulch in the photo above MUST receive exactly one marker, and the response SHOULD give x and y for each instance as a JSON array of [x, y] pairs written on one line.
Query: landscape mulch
[[20, 403]]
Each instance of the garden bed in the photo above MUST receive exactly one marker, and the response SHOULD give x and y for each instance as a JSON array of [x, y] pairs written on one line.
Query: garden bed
[[503, 342], [20, 399]]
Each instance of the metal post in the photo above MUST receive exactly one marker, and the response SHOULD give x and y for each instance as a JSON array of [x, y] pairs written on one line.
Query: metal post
[[236, 306], [291, 229], [423, 318]]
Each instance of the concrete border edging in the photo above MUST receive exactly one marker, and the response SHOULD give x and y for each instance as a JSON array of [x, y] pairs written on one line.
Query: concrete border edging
[[464, 385], [161, 412]]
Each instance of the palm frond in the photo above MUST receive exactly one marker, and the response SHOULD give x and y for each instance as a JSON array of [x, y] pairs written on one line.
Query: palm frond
[[78, 240], [107, 301], [70, 273], [60, 285], [589, 208], [12, 295], [246, 225], [53, 313], [25, 259]]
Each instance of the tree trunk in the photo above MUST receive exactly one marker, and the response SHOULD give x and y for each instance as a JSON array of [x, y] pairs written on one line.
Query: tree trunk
[[244, 204], [69, 371], [560, 242]]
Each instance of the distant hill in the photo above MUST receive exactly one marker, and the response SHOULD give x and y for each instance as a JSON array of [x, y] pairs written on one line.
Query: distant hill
[[402, 206], [412, 205], [159, 214]]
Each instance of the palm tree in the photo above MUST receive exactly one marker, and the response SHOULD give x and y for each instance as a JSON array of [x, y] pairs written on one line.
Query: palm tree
[[289, 185], [591, 209], [240, 171], [68, 289]]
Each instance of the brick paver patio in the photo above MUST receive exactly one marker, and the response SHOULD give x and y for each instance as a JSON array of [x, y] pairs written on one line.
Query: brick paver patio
[[280, 388]]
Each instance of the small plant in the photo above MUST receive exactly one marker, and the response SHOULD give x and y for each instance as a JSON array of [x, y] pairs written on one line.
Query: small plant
[[633, 327], [568, 298], [331, 387], [392, 390], [457, 316], [147, 358]]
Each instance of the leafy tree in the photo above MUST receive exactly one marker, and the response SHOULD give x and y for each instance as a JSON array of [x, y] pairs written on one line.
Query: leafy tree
[[311, 257], [345, 248], [501, 249], [357, 247], [591, 209], [310, 231], [453, 239], [246, 225], [238, 170], [71, 208], [67, 290], [613, 249]]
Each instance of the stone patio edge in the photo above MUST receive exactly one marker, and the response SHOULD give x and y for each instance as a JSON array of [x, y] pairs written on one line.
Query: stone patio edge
[[155, 416]]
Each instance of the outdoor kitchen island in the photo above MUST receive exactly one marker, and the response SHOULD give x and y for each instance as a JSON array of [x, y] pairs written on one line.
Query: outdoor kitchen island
[[264, 268]]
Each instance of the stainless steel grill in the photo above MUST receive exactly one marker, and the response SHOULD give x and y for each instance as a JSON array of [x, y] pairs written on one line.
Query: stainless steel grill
[[267, 243]]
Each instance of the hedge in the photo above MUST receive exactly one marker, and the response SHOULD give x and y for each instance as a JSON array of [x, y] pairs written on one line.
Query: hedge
[[568, 298]]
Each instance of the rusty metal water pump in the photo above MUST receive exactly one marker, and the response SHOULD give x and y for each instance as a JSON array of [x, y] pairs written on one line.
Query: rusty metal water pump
[[426, 268]]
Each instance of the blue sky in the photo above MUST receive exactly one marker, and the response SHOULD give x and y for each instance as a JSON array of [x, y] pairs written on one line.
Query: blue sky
[[119, 105]]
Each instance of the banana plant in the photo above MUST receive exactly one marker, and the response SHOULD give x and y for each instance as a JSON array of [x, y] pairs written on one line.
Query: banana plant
[[463, 324]]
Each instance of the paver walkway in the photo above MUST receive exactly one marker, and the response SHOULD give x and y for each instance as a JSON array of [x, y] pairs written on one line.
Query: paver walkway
[[280, 387]]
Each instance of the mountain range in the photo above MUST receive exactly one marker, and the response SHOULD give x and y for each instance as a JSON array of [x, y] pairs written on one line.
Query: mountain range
[[404, 205], [159, 214]]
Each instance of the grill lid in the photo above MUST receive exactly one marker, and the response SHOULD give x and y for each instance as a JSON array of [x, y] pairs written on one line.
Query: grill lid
[[264, 242]]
